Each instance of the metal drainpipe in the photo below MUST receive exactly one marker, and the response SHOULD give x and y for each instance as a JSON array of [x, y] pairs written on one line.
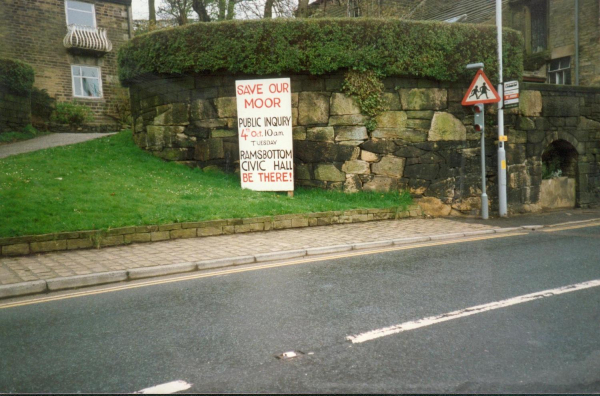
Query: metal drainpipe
[[576, 42]]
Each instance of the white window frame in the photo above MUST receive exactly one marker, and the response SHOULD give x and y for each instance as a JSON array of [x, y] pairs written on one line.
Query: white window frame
[[559, 73], [93, 12], [80, 77]]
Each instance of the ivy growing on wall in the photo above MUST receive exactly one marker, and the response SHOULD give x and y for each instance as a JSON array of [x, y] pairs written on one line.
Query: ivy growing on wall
[[367, 89], [387, 47]]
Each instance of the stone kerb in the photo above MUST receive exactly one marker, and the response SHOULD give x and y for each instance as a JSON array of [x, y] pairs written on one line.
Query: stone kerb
[[423, 143], [20, 246]]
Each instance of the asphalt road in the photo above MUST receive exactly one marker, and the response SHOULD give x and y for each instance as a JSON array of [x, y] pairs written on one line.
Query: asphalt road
[[222, 333]]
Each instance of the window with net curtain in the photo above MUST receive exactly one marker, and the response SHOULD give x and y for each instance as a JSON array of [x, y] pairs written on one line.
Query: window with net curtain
[[87, 82]]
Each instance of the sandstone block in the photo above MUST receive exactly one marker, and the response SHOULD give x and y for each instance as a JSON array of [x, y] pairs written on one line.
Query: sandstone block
[[389, 166], [49, 246], [203, 109], [183, 233], [351, 133], [328, 172], [391, 119], [368, 156], [299, 133], [342, 104], [209, 231], [352, 119], [387, 133], [445, 126], [226, 107], [356, 166], [560, 106], [391, 101], [530, 103], [159, 236], [380, 184], [424, 99], [302, 172], [172, 114], [420, 115], [586, 123], [434, 207], [19, 249], [209, 149], [526, 124], [320, 134], [79, 244], [313, 108], [352, 184], [221, 133]]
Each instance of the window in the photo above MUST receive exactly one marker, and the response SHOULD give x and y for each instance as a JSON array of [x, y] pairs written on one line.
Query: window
[[79, 13], [559, 71], [539, 26], [86, 82]]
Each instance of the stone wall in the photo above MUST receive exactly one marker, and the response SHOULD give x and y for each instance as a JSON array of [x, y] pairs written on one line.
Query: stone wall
[[423, 143], [15, 111], [32, 31]]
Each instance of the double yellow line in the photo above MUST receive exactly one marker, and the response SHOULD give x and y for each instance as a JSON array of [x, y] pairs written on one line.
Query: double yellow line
[[573, 227], [250, 267]]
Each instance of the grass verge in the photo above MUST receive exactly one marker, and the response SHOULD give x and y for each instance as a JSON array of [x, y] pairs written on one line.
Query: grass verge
[[27, 133], [110, 182]]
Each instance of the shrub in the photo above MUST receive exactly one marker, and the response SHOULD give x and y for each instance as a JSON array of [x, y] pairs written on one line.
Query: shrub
[[15, 76], [42, 104], [121, 108], [28, 132], [388, 47], [72, 114]]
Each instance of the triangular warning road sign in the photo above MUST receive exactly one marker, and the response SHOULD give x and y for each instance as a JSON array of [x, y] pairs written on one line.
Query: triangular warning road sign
[[480, 91]]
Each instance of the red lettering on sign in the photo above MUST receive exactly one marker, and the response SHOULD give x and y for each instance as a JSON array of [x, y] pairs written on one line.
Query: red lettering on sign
[[247, 178], [249, 89]]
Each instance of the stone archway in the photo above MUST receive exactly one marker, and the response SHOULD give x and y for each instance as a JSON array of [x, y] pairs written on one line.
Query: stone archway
[[559, 175]]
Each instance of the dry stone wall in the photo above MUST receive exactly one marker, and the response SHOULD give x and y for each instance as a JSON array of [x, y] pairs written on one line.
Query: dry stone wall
[[424, 142]]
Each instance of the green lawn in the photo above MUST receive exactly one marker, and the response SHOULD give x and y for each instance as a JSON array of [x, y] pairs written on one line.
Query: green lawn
[[110, 182]]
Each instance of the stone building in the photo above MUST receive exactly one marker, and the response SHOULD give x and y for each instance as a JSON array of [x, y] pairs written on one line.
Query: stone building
[[72, 46], [550, 29]]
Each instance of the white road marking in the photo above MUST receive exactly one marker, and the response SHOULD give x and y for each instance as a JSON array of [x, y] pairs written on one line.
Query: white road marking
[[386, 331], [169, 387]]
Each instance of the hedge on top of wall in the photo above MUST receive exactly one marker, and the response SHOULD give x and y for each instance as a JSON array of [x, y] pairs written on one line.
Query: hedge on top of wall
[[434, 50], [15, 76]]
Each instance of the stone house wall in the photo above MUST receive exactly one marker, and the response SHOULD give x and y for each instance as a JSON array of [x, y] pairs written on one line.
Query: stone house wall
[[423, 143], [33, 31], [561, 34], [15, 111]]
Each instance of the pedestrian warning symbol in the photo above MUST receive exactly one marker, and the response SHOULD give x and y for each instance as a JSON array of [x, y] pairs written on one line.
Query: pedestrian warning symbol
[[480, 91]]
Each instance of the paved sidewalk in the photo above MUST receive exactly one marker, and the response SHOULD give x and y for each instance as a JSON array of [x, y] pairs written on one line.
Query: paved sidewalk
[[47, 141], [63, 270], [80, 262]]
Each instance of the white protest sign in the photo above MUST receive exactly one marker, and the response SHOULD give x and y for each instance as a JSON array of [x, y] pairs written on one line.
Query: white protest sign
[[264, 111]]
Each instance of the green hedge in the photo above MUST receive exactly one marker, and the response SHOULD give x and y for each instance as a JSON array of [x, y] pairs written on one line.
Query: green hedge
[[434, 50], [16, 76]]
